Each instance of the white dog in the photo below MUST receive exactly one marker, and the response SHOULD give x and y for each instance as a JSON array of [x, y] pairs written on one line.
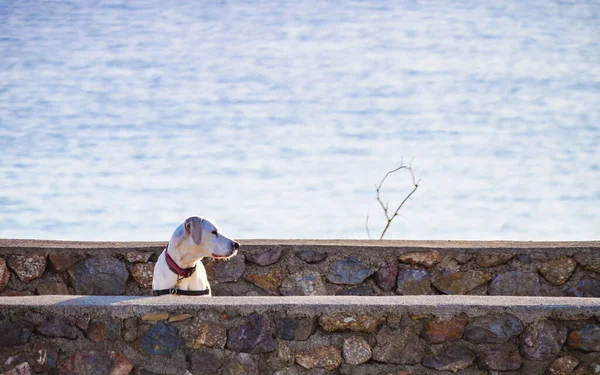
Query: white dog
[[179, 269]]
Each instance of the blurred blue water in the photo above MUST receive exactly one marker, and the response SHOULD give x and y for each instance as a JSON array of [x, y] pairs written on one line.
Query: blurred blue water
[[118, 119]]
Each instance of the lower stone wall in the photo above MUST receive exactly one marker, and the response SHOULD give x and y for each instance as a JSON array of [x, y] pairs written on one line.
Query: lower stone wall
[[284, 267], [299, 335]]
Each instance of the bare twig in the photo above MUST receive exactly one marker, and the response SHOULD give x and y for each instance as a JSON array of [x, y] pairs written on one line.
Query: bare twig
[[385, 207]]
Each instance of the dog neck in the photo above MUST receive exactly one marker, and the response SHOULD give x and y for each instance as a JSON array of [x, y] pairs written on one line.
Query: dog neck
[[185, 258]]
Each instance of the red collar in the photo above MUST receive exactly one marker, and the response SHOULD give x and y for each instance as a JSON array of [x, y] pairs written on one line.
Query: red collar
[[181, 272]]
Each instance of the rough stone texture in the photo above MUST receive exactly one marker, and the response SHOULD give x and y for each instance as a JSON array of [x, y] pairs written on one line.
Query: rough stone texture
[[265, 258], [306, 283], [99, 276], [505, 358], [426, 259], [130, 329], [254, 337], [204, 334], [563, 365], [56, 326], [541, 341], [179, 317], [461, 282], [295, 329], [241, 364], [161, 339], [361, 290], [28, 267], [401, 346], [95, 363], [386, 276], [350, 322], [137, 256], [4, 274], [356, 350], [62, 262], [45, 356], [493, 329], [269, 282], [142, 273], [99, 331], [226, 271], [14, 333], [53, 288], [206, 361], [493, 259], [586, 339], [590, 261], [327, 357], [437, 332], [585, 288], [558, 271], [515, 283], [457, 356], [16, 293], [348, 271], [20, 369], [311, 256], [413, 282]]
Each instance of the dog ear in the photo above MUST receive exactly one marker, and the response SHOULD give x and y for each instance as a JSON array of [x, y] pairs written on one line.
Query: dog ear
[[193, 227]]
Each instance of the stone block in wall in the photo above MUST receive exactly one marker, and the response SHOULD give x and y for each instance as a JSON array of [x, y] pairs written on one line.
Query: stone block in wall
[[254, 336], [348, 271], [311, 256], [96, 362], [493, 259], [53, 289], [461, 282], [206, 361], [361, 290], [297, 329], [399, 346], [240, 364], [269, 282], [265, 258], [45, 356], [327, 357], [21, 369], [142, 273], [584, 288], [515, 283], [558, 271], [563, 365], [440, 331], [103, 275], [413, 282], [386, 276], [161, 339], [29, 266], [203, 334], [62, 262], [589, 261], [454, 357], [427, 259], [138, 256], [586, 339], [14, 332], [57, 326], [350, 322], [228, 271], [541, 341], [4, 274], [107, 329], [500, 358], [356, 350], [304, 283], [493, 329]]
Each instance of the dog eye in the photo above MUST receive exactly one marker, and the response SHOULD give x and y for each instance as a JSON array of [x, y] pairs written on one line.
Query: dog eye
[[215, 233]]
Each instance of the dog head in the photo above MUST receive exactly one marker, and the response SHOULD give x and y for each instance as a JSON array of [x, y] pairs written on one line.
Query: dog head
[[202, 237]]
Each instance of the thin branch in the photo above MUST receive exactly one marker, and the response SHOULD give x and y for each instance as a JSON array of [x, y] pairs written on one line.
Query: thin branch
[[367, 226], [385, 207]]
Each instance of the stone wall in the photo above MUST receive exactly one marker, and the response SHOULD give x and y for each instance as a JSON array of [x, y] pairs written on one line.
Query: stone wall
[[429, 335], [365, 268]]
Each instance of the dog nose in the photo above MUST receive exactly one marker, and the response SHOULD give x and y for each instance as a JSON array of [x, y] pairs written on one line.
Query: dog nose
[[236, 245]]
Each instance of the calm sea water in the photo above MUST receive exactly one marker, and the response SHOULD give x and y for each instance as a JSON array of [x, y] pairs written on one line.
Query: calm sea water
[[119, 119]]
